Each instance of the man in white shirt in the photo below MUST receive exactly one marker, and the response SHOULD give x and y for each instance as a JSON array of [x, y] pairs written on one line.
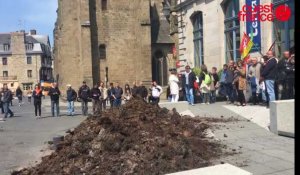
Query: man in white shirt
[[156, 91]]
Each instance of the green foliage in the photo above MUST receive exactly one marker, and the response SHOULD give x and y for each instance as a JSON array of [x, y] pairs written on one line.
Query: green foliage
[[197, 71]]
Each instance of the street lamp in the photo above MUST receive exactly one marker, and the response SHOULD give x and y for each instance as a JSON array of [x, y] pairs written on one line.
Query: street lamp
[[166, 10]]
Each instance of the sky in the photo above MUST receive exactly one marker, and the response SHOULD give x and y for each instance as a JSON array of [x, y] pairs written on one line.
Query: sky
[[18, 15]]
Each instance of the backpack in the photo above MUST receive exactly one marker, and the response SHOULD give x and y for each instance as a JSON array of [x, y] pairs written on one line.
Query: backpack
[[207, 79]]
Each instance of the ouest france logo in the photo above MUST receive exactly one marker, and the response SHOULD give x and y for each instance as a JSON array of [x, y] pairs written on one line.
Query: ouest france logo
[[268, 12]]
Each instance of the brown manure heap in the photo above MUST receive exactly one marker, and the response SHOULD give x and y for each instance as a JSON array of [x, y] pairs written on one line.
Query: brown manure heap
[[138, 138]]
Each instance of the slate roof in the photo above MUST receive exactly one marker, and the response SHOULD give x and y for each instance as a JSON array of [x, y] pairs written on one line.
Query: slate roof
[[161, 32], [4, 38]]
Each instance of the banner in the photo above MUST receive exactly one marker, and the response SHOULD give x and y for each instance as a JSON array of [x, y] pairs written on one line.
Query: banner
[[245, 46], [254, 25]]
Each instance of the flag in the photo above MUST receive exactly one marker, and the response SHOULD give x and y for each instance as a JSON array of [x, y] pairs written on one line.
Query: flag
[[246, 45]]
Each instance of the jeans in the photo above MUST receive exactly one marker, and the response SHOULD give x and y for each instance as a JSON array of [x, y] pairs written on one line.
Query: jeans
[[84, 107], [37, 108], [213, 96], [103, 104], [96, 106], [189, 94], [7, 110], [230, 92], [270, 90], [71, 108], [117, 102], [55, 108], [206, 98]]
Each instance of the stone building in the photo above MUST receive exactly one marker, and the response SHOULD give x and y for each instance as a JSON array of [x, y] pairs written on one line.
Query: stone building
[[210, 32], [111, 41], [25, 59]]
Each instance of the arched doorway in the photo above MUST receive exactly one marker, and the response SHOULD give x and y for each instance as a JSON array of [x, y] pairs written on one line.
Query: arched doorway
[[159, 68]]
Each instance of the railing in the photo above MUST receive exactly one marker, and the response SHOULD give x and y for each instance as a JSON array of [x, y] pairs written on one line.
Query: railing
[[8, 78]]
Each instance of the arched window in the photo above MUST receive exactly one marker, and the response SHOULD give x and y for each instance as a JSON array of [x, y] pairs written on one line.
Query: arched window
[[197, 20], [232, 29]]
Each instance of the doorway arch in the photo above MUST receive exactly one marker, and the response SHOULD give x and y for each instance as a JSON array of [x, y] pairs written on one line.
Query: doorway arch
[[159, 68]]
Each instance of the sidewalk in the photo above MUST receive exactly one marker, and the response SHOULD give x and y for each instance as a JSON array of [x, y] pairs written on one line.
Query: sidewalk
[[261, 152]]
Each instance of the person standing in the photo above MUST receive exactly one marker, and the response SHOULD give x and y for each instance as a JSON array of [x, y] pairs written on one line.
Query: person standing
[[29, 95], [268, 76], [142, 91], [19, 94], [156, 91], [214, 85], [188, 79], [95, 95], [174, 88], [110, 94], [127, 93], [205, 81], [37, 100], [6, 100], [84, 94], [240, 82], [231, 94], [1, 101], [285, 77], [104, 95], [254, 76], [54, 94], [71, 97], [117, 95], [134, 89]]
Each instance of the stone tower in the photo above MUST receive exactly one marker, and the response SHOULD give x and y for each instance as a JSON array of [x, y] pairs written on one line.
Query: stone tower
[[95, 39]]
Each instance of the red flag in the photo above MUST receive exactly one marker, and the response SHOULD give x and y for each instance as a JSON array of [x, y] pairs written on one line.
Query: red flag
[[245, 46]]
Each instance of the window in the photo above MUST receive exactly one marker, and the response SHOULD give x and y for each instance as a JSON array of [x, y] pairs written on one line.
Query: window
[[6, 47], [104, 4], [232, 30], [29, 73], [4, 61], [29, 60], [29, 46], [27, 86], [198, 39], [5, 73], [102, 51], [284, 32]]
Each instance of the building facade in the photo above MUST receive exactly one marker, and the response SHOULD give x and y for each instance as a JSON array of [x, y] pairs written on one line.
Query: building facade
[[111, 41], [25, 59], [210, 31]]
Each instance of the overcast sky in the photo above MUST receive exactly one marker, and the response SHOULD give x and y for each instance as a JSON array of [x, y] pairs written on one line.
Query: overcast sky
[[28, 14]]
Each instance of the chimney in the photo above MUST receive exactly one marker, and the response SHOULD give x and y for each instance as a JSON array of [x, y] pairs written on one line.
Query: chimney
[[32, 32]]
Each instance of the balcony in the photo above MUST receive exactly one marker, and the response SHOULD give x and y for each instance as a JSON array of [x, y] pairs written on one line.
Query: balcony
[[8, 78]]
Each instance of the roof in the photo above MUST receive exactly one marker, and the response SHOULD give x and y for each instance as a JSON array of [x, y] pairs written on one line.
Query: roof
[[161, 32], [4, 38], [30, 39]]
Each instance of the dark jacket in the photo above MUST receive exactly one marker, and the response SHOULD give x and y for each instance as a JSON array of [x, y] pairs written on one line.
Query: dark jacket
[[71, 95], [54, 94], [142, 91], [37, 97], [270, 70], [118, 92], [95, 93], [216, 78], [19, 92], [285, 70], [84, 92], [7, 96], [134, 91], [192, 79]]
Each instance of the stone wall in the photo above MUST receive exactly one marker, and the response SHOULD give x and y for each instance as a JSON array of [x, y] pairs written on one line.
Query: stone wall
[[125, 30]]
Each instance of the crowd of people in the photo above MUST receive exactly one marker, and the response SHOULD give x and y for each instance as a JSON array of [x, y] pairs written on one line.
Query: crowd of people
[[267, 78]]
